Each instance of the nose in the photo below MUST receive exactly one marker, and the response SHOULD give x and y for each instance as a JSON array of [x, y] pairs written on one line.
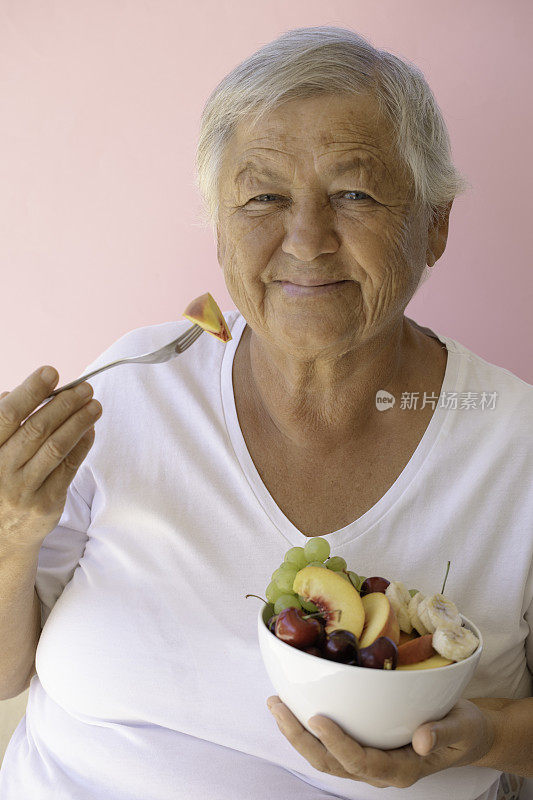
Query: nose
[[309, 231]]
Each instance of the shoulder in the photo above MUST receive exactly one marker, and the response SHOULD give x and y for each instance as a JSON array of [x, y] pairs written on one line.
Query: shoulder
[[148, 338], [506, 410]]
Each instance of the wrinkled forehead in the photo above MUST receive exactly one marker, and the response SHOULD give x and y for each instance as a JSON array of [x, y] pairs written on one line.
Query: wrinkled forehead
[[326, 129]]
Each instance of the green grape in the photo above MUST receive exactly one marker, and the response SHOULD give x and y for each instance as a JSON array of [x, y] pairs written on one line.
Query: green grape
[[286, 601], [336, 563], [291, 569], [362, 579], [273, 592], [284, 578], [342, 574], [296, 556], [285, 566], [412, 592], [316, 564], [307, 604], [316, 549], [268, 610]]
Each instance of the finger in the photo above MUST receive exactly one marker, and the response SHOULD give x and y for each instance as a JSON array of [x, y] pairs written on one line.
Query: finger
[[346, 750], [424, 739], [462, 729], [399, 767], [15, 406], [46, 428], [62, 475], [305, 743], [58, 445]]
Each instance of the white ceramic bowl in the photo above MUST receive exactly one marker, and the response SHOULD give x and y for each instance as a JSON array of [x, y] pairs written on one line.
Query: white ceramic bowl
[[378, 708]]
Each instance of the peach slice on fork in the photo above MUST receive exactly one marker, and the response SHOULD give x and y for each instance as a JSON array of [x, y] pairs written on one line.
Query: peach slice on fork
[[205, 313]]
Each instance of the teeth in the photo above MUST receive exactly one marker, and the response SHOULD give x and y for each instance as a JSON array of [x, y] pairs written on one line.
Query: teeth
[[438, 612], [399, 598], [454, 643], [416, 622]]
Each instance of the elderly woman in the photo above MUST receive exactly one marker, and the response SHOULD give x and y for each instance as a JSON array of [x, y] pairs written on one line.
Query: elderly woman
[[325, 167]]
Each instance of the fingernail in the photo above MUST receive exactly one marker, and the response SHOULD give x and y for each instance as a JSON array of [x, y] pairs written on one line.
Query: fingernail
[[48, 374], [433, 739]]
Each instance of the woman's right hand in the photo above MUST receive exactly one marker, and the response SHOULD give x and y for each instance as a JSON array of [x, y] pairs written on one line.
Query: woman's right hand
[[39, 456]]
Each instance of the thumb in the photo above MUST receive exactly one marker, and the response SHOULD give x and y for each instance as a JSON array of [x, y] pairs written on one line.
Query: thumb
[[425, 739], [458, 726]]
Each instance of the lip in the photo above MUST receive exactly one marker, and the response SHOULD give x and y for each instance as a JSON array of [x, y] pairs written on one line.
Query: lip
[[303, 289]]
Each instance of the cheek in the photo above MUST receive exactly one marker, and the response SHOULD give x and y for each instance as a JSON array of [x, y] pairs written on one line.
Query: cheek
[[242, 274], [384, 248], [245, 250]]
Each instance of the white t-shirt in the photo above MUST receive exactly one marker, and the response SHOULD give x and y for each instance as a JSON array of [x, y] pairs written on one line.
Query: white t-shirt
[[150, 683]]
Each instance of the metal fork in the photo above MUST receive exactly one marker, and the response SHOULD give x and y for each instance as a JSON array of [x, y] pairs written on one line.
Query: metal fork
[[165, 353]]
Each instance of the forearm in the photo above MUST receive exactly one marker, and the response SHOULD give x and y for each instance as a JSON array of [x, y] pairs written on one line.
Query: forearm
[[512, 725], [20, 619]]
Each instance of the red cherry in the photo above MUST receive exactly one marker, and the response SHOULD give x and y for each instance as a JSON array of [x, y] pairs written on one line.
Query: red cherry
[[292, 629], [381, 654], [374, 584], [341, 646]]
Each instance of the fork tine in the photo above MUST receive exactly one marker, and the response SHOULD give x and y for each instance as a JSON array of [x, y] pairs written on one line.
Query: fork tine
[[188, 338]]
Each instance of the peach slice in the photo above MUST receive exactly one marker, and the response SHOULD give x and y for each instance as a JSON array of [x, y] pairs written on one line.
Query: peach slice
[[205, 313], [329, 592], [429, 663], [407, 637], [418, 649], [380, 619]]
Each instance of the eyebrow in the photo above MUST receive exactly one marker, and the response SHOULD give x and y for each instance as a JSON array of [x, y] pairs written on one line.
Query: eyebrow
[[368, 164]]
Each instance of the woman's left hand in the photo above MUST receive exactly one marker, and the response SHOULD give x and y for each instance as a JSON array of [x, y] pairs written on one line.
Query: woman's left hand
[[463, 737]]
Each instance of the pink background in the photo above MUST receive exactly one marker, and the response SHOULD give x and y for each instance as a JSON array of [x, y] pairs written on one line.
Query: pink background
[[100, 104]]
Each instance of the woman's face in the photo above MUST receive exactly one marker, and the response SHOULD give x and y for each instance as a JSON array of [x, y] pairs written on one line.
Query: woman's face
[[314, 194]]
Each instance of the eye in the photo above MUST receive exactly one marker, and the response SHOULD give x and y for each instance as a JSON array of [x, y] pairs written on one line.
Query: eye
[[365, 196], [259, 196]]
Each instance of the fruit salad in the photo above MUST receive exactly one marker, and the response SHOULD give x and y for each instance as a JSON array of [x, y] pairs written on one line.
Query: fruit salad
[[327, 610]]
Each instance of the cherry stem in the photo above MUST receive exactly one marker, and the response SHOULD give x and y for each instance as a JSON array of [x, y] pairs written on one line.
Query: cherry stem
[[446, 577], [259, 598], [323, 613], [350, 578]]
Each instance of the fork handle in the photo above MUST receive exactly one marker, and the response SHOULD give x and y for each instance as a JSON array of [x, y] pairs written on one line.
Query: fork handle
[[85, 377]]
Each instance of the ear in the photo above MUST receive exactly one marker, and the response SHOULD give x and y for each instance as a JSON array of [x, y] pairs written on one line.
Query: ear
[[438, 236]]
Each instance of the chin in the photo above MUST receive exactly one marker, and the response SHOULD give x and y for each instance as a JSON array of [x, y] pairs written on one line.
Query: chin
[[312, 339]]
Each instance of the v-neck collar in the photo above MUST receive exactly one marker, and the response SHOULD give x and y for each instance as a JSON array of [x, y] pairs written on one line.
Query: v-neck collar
[[441, 417]]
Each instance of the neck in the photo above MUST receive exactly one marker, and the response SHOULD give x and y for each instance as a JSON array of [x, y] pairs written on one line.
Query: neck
[[319, 404]]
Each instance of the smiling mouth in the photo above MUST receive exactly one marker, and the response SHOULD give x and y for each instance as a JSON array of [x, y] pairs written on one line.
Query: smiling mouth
[[311, 285], [303, 290]]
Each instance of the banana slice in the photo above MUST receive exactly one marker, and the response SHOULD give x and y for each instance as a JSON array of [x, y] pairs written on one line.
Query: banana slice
[[437, 611], [416, 622], [399, 598], [454, 643]]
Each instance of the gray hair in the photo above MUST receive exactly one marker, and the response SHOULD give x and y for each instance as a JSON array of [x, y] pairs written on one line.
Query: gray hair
[[305, 62]]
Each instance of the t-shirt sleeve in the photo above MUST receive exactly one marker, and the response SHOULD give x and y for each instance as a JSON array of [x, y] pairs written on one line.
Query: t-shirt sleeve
[[62, 550]]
